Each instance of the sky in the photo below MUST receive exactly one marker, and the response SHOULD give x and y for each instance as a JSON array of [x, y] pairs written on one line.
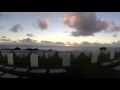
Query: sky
[[60, 28]]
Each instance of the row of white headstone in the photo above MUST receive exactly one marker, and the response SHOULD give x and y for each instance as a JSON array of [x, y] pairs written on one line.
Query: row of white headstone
[[64, 55], [34, 59], [65, 59], [94, 58]]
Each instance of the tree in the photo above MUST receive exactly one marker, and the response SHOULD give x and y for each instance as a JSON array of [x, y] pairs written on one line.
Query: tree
[[102, 48], [17, 48]]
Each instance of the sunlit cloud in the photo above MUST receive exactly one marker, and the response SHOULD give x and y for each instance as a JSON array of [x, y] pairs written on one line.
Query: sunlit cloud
[[87, 24], [42, 24]]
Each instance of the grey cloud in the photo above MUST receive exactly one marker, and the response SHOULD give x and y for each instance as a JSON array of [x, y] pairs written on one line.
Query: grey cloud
[[52, 43], [86, 43], [16, 28], [30, 35], [59, 43], [75, 44], [87, 24], [46, 42], [114, 35], [28, 40], [42, 24], [114, 27], [5, 39]]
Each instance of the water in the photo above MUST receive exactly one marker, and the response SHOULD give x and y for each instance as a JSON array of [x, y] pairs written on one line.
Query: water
[[59, 48]]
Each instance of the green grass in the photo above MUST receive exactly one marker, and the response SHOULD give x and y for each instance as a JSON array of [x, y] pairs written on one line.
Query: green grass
[[80, 67]]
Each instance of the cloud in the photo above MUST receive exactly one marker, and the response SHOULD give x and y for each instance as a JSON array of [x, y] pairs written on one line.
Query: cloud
[[86, 43], [68, 43], [87, 24], [114, 27], [114, 35], [59, 43], [16, 28], [28, 40], [116, 43], [30, 35], [3, 37], [75, 44], [1, 27], [42, 24], [46, 42], [52, 43]]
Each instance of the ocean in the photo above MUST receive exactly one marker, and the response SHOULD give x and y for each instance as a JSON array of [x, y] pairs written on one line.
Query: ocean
[[58, 48]]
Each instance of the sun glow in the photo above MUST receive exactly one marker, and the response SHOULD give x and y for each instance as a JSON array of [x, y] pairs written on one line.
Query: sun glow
[[67, 45]]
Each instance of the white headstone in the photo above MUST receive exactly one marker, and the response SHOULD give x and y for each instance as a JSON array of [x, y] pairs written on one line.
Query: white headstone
[[106, 52], [52, 53], [46, 55], [118, 50], [17, 52], [3, 53], [34, 60], [76, 54], [26, 53], [87, 53], [21, 55], [112, 53], [10, 59], [66, 59], [94, 57], [60, 54]]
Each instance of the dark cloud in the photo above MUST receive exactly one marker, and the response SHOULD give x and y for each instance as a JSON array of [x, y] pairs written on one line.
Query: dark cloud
[[59, 43], [114, 35], [42, 24], [46, 42], [1, 27], [116, 43], [16, 28], [86, 24], [86, 43], [30, 35], [5, 39], [28, 40]]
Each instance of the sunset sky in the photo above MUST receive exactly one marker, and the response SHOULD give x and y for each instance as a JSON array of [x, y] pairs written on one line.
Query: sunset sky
[[60, 28]]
